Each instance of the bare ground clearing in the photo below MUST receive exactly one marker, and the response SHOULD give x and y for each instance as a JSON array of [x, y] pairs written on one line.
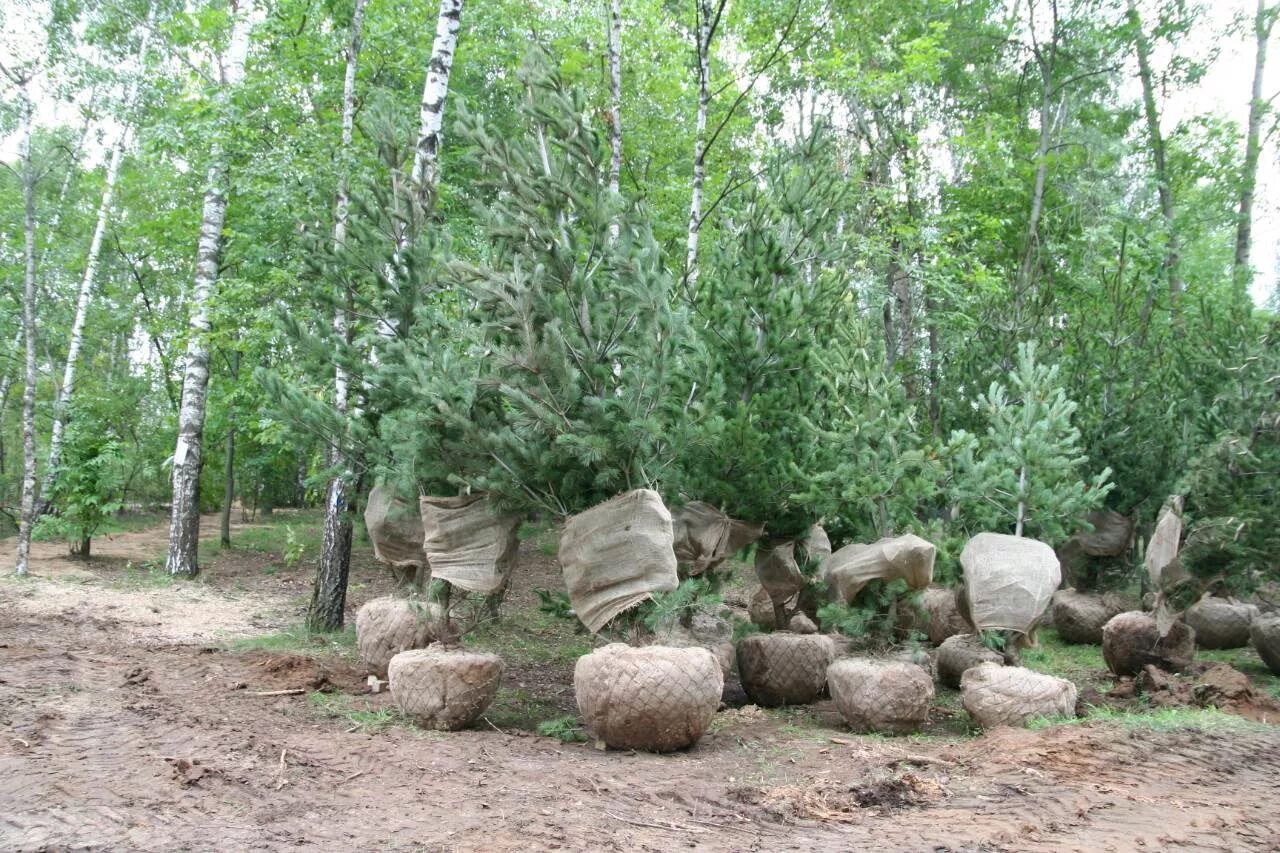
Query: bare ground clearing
[[126, 721]]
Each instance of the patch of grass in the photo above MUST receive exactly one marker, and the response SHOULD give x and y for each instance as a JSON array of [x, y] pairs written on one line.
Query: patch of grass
[[531, 638], [149, 574], [1078, 663], [1160, 720], [298, 640], [519, 708], [362, 719]]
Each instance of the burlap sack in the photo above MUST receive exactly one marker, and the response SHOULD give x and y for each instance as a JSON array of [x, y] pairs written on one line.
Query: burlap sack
[[1009, 581], [469, 546], [385, 627], [778, 563], [880, 696], [1131, 640], [1264, 633], [705, 537], [941, 614], [444, 689], [616, 555], [784, 669], [1078, 617], [1162, 550], [962, 652], [1111, 536], [395, 528], [1219, 623], [653, 698], [1011, 696], [854, 566]]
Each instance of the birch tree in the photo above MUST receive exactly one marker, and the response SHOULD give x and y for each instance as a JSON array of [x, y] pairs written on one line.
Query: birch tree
[[1264, 20], [1155, 140], [329, 594], [184, 522], [615, 101], [708, 20], [23, 81], [426, 173], [87, 282]]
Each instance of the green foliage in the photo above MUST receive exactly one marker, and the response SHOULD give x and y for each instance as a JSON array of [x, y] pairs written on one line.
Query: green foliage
[[88, 485], [874, 615], [1026, 474], [666, 610], [768, 301], [564, 729]]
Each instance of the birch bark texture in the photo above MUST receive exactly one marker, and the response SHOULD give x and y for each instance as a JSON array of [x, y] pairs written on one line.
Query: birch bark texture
[[705, 32], [329, 592], [1263, 21], [615, 97], [184, 520], [85, 296], [426, 173], [1155, 139], [27, 518]]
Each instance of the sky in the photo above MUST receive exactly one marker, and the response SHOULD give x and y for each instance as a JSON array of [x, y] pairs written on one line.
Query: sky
[[1224, 90]]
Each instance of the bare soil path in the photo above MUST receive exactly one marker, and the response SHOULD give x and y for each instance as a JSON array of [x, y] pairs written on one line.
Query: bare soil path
[[124, 726]]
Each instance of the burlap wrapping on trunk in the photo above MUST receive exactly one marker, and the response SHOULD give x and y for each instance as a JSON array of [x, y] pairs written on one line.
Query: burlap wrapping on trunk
[[395, 528], [778, 563], [653, 698], [469, 546], [1162, 550], [1009, 581], [907, 557], [617, 554], [1011, 696], [705, 537]]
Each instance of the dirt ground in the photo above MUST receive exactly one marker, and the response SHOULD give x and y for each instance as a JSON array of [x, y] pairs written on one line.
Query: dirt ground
[[126, 721]]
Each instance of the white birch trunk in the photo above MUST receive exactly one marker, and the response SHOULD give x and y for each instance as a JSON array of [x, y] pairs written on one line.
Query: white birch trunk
[[29, 336], [1263, 21], [1155, 138], [184, 520], [328, 596], [699, 143], [434, 92], [615, 103], [85, 296]]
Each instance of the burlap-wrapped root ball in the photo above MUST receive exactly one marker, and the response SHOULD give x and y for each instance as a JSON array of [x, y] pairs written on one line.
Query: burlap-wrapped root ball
[[1011, 696], [385, 627], [1130, 641], [1220, 624], [1265, 636], [443, 688], [961, 652], [890, 697], [1079, 617], [783, 668], [941, 615], [654, 698]]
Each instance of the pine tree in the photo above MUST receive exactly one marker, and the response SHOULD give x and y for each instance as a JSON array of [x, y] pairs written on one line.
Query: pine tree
[[1028, 472], [774, 295], [558, 400]]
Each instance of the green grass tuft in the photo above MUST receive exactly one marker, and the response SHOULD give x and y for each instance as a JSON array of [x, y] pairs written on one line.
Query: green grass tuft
[[299, 640]]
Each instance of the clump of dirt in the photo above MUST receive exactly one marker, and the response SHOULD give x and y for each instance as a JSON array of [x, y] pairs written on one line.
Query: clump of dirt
[[282, 671], [827, 800], [1204, 685]]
